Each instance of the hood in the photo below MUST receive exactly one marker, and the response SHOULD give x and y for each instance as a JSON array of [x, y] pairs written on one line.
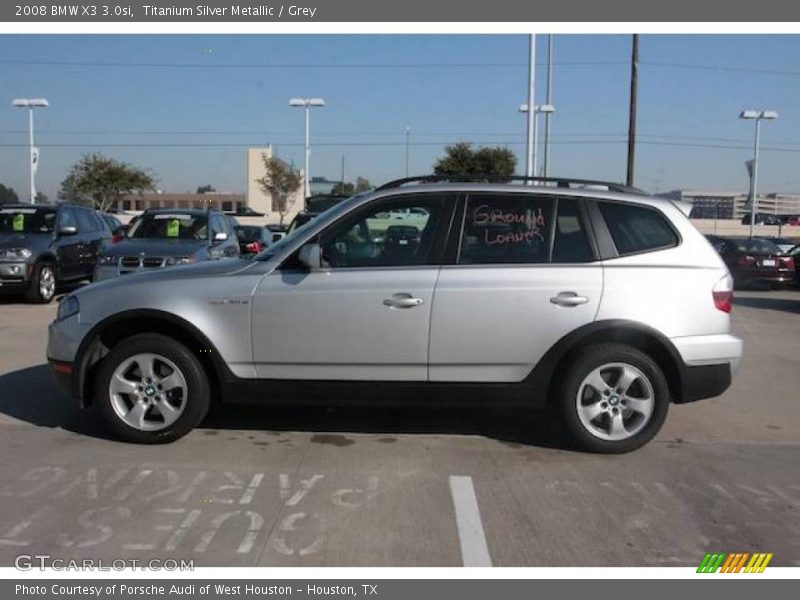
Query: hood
[[33, 241], [155, 247], [209, 268]]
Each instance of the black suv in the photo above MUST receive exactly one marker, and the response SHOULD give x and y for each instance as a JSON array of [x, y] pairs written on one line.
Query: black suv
[[42, 246]]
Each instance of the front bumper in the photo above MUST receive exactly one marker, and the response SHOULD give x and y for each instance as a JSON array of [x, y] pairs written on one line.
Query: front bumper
[[15, 276], [63, 374]]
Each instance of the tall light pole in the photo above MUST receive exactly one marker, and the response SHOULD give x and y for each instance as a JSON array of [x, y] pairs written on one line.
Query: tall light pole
[[629, 177], [545, 109], [757, 116], [31, 104], [307, 103], [548, 101], [530, 150]]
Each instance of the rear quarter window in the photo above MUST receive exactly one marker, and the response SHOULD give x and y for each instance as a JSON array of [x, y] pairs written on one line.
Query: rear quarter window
[[636, 229]]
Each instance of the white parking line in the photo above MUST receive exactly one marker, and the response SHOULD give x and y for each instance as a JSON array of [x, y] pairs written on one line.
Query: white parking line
[[474, 551]]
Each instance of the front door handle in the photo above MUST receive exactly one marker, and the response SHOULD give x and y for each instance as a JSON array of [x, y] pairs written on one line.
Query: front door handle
[[568, 299], [402, 301]]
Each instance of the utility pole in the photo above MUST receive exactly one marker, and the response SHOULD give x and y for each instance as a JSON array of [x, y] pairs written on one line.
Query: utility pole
[[531, 129], [632, 111], [549, 101], [408, 149]]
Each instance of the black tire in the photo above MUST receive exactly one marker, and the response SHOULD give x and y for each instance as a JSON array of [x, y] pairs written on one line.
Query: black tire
[[35, 292], [582, 365], [198, 396]]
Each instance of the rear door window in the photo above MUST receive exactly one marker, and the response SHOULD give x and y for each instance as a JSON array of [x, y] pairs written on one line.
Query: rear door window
[[506, 229], [637, 229], [570, 244]]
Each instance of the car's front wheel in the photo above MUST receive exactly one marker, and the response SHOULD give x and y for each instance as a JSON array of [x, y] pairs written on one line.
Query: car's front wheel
[[613, 398], [43, 283], [151, 389]]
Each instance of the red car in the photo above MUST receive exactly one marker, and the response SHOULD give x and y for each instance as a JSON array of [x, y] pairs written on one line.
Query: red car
[[757, 261]]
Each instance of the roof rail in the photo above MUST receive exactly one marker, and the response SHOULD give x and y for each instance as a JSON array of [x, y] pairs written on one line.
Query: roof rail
[[562, 182]]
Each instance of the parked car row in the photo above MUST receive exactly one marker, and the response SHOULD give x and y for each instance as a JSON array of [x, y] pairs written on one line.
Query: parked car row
[[758, 260], [44, 246]]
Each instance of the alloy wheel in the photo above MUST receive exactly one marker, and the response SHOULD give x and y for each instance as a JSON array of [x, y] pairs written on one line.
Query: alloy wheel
[[148, 392], [615, 401]]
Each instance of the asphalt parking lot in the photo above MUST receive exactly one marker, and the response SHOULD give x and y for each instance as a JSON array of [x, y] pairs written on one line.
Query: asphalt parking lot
[[380, 487]]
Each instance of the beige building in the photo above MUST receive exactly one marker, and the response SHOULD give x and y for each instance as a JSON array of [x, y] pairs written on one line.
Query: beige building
[[254, 197], [258, 199]]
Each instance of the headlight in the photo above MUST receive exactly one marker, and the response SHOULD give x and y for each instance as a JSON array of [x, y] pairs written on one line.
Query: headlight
[[15, 254], [179, 260], [105, 261], [69, 306]]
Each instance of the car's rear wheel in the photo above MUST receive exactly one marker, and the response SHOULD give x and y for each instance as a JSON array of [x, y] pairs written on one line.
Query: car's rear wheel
[[43, 284], [613, 398], [151, 389]]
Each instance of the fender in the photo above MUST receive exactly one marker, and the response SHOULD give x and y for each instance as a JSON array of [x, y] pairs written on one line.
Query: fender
[[612, 330], [87, 345]]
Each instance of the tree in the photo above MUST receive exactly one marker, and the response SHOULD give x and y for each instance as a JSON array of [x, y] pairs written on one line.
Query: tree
[[205, 189], [41, 198], [101, 182], [348, 189], [280, 181], [461, 159], [8, 195]]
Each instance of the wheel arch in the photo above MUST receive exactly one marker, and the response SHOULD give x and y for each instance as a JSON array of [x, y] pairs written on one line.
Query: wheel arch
[[650, 341], [111, 331]]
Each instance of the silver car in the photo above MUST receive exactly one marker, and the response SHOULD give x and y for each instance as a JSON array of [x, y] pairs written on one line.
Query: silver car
[[601, 303]]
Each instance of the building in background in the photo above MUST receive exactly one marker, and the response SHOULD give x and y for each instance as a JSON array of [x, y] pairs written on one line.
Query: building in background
[[222, 201], [258, 199], [711, 204], [727, 204]]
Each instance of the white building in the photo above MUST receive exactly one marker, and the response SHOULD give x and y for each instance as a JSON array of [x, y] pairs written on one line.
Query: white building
[[261, 201]]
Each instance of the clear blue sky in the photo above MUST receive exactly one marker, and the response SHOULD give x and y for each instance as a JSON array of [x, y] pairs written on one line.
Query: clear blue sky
[[219, 97]]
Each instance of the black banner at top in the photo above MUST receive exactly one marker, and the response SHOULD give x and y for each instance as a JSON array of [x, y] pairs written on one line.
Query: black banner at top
[[309, 11]]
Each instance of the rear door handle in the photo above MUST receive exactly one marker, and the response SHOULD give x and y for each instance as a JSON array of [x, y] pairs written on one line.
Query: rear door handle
[[568, 299], [402, 301]]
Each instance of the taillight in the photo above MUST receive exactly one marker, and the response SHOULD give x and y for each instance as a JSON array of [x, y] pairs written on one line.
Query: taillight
[[747, 261], [722, 293], [787, 262], [254, 247], [116, 239]]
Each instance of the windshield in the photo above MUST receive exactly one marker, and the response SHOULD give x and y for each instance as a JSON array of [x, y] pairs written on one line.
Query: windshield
[[27, 220], [249, 233], [177, 225], [329, 215]]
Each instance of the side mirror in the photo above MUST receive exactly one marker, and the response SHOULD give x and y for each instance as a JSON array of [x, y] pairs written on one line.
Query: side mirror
[[310, 256], [68, 230], [220, 237]]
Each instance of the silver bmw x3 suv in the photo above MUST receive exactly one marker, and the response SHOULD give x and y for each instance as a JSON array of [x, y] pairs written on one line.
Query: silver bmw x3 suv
[[594, 300]]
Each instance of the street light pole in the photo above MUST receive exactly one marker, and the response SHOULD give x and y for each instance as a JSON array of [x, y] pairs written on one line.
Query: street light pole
[[533, 117], [307, 103], [548, 101], [33, 156], [530, 150], [757, 116]]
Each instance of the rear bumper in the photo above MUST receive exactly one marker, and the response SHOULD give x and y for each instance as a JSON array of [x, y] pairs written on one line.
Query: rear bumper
[[709, 364], [704, 381]]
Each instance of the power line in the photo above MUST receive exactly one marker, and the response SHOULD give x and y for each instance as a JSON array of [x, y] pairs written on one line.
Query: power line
[[334, 65], [399, 144]]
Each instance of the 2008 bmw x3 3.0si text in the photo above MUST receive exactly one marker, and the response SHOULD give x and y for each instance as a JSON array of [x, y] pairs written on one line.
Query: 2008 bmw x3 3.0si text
[[602, 303]]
